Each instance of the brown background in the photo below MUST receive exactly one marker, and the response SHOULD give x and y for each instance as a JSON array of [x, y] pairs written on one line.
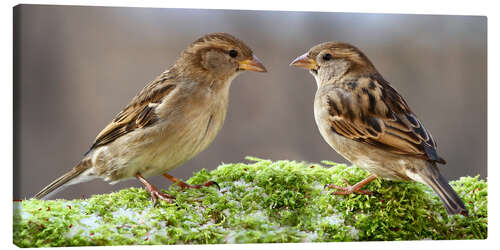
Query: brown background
[[77, 67]]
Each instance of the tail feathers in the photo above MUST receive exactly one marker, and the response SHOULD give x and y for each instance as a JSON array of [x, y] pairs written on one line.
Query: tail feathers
[[72, 177], [448, 196]]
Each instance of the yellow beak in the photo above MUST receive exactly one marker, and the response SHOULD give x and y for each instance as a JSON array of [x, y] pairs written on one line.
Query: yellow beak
[[305, 62], [253, 64]]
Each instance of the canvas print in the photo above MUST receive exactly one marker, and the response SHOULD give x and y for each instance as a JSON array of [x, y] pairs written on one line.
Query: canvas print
[[156, 126]]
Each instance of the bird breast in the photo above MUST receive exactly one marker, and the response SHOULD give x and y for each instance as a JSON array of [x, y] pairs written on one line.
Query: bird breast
[[192, 122]]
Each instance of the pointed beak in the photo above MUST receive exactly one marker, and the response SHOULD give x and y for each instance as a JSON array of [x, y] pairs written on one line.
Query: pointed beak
[[253, 64], [305, 62]]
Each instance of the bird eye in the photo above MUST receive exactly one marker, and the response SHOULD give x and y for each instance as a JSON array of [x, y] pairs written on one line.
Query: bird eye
[[327, 56], [233, 53]]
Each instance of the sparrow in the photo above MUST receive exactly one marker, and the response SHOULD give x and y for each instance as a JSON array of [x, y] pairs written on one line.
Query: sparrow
[[170, 121], [364, 119]]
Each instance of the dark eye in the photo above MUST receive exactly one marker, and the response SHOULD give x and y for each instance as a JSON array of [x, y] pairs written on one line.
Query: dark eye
[[327, 56], [233, 53]]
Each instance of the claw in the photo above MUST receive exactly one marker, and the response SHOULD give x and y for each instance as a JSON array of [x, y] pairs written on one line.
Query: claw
[[155, 194], [210, 183]]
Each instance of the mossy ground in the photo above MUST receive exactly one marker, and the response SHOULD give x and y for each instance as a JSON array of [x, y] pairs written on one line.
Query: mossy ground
[[262, 201]]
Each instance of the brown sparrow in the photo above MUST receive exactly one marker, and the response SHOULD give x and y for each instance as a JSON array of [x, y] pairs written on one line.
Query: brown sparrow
[[171, 120], [369, 123]]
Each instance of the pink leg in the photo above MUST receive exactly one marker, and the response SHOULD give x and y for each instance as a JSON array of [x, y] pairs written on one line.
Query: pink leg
[[155, 193], [353, 189]]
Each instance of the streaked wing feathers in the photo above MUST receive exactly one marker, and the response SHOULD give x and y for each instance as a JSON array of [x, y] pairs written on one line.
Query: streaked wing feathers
[[373, 112], [139, 113]]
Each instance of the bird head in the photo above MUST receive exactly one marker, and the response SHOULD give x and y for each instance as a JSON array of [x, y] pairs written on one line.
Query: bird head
[[218, 56], [329, 61]]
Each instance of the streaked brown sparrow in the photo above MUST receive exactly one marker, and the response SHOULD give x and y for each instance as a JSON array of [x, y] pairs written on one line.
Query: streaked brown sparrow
[[171, 120], [369, 123]]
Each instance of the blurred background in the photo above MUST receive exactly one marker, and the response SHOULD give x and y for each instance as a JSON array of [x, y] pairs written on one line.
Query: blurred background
[[76, 67]]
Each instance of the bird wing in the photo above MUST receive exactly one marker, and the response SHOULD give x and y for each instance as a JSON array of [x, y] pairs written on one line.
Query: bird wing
[[374, 113], [139, 113]]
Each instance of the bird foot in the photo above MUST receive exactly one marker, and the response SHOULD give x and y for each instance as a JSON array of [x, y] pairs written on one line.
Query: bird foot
[[184, 185], [352, 189], [154, 192]]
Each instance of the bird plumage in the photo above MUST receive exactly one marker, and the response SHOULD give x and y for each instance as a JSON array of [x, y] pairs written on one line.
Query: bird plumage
[[362, 117], [171, 120]]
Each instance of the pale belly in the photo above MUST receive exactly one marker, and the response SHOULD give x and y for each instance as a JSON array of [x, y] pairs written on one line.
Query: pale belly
[[381, 163], [155, 151]]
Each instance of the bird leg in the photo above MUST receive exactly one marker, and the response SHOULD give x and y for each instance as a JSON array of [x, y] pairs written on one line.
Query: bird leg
[[184, 185], [353, 189], [155, 193]]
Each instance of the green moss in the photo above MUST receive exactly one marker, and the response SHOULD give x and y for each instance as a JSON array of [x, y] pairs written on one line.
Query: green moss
[[263, 201]]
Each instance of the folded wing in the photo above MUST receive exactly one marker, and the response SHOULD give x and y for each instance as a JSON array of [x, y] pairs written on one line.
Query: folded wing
[[139, 113], [376, 114]]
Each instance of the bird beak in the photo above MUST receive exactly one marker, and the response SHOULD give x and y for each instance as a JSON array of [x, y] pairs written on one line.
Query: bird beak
[[253, 64], [305, 62]]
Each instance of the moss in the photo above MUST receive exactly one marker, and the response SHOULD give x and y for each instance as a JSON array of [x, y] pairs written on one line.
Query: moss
[[262, 201]]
